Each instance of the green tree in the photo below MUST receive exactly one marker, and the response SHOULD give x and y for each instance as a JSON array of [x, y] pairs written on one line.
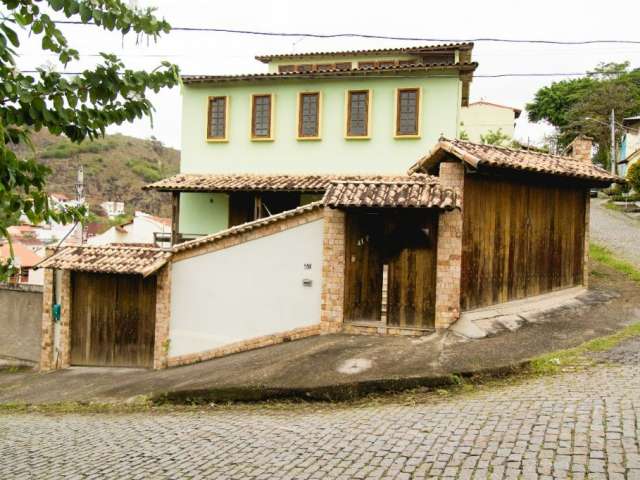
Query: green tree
[[584, 105], [79, 107], [495, 137], [633, 176]]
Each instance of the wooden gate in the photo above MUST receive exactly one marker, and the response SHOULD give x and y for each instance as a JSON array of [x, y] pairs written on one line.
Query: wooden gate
[[402, 243], [112, 319]]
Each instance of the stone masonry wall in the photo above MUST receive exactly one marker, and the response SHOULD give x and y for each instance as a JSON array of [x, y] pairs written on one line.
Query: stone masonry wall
[[46, 352], [449, 255], [332, 307], [163, 318], [65, 319]]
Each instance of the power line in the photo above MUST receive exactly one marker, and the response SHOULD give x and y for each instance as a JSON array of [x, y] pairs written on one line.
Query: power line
[[381, 37]]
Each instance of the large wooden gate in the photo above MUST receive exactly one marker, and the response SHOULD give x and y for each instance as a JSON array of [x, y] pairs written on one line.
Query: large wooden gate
[[390, 269], [112, 319]]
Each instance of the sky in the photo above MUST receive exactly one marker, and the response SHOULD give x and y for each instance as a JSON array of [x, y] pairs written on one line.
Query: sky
[[218, 53]]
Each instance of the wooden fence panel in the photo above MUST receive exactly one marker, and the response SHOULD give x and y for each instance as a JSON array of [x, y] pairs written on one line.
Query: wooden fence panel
[[113, 320], [520, 239]]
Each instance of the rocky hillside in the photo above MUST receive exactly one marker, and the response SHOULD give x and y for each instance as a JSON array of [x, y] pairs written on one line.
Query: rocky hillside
[[115, 168]]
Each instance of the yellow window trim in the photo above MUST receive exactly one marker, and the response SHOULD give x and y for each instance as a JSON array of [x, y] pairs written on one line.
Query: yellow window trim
[[346, 114], [298, 106], [272, 124], [227, 107], [395, 110]]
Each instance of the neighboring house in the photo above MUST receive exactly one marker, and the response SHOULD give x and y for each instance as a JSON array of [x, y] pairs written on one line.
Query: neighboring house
[[113, 209], [24, 260], [142, 229], [339, 113], [630, 145], [478, 118]]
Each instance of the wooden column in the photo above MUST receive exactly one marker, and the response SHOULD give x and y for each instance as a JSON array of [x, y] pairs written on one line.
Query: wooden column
[[175, 217]]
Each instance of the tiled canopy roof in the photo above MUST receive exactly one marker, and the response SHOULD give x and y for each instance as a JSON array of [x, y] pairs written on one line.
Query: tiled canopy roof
[[103, 259], [378, 51], [478, 155], [185, 182], [331, 72], [417, 193]]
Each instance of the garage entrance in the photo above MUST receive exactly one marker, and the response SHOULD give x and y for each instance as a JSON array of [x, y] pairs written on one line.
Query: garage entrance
[[112, 319], [390, 271]]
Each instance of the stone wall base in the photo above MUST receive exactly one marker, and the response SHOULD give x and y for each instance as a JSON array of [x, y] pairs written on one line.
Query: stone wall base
[[359, 329], [245, 345]]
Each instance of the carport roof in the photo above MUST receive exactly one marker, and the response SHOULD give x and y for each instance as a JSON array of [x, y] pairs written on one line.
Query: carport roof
[[108, 259]]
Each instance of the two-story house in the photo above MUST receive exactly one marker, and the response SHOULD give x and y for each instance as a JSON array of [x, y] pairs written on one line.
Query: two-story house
[[259, 144]]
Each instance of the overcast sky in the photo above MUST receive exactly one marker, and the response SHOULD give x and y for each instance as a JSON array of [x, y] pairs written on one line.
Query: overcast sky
[[215, 53]]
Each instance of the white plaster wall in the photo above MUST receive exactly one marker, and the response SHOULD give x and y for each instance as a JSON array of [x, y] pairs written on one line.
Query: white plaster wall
[[246, 291]]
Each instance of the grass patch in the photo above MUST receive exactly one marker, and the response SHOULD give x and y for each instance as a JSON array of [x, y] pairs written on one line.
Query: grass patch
[[572, 358], [604, 255]]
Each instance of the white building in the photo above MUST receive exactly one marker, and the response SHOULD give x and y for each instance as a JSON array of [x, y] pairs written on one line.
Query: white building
[[481, 117], [113, 209], [142, 229]]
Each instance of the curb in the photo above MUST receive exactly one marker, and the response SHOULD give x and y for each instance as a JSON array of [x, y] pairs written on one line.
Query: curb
[[332, 393]]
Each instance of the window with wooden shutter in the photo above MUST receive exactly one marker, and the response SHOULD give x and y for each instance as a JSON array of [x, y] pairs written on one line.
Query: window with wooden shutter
[[217, 119], [408, 112], [358, 113], [261, 117], [309, 115]]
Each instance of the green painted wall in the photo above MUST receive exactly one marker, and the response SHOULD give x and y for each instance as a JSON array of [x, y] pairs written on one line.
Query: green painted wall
[[203, 213], [381, 154], [333, 153]]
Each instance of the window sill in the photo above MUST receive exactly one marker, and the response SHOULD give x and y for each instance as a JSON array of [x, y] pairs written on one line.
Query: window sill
[[262, 139], [407, 137], [359, 137], [217, 140], [307, 139]]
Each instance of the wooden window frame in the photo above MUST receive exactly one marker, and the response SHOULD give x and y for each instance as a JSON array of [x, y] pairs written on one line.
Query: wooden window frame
[[347, 113], [396, 125], [299, 135], [270, 137], [227, 102]]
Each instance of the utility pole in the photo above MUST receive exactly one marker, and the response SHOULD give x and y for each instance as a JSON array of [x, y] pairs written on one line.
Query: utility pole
[[80, 197], [613, 142]]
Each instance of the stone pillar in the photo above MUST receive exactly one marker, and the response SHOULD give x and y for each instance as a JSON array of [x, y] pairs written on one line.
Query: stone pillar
[[587, 225], [332, 308], [449, 255], [65, 319], [46, 346], [163, 317]]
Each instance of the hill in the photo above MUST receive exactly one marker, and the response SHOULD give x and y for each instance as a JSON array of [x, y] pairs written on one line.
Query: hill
[[115, 168]]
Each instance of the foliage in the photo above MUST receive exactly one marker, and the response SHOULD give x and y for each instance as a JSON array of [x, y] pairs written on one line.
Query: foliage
[[495, 137], [463, 135], [633, 176], [146, 169], [78, 107], [604, 255], [584, 105]]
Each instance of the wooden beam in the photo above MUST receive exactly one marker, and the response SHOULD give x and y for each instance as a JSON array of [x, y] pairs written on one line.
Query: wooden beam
[[175, 218]]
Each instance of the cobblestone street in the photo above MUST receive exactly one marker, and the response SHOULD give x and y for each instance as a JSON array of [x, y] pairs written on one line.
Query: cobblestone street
[[616, 231], [580, 425]]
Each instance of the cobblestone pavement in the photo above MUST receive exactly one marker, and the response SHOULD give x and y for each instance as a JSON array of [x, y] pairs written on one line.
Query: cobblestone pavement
[[578, 425], [616, 231]]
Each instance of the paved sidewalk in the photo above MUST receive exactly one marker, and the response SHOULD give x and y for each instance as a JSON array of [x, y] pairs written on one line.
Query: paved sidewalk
[[575, 425], [616, 231]]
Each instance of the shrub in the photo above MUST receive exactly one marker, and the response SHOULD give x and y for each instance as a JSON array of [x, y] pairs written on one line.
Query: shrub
[[633, 176]]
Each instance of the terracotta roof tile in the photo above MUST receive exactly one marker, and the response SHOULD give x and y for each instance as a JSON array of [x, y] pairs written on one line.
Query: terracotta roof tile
[[401, 194], [246, 227], [331, 72], [378, 51], [108, 259], [478, 155], [186, 182]]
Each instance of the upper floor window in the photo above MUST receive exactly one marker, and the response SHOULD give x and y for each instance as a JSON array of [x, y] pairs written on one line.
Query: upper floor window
[[358, 111], [261, 117], [309, 115], [408, 112], [217, 118]]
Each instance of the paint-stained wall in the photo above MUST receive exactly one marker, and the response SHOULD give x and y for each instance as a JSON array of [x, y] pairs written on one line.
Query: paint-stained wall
[[246, 291]]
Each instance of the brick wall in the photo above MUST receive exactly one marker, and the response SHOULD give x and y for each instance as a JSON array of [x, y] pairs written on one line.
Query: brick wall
[[163, 318], [332, 308], [46, 351], [449, 255]]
